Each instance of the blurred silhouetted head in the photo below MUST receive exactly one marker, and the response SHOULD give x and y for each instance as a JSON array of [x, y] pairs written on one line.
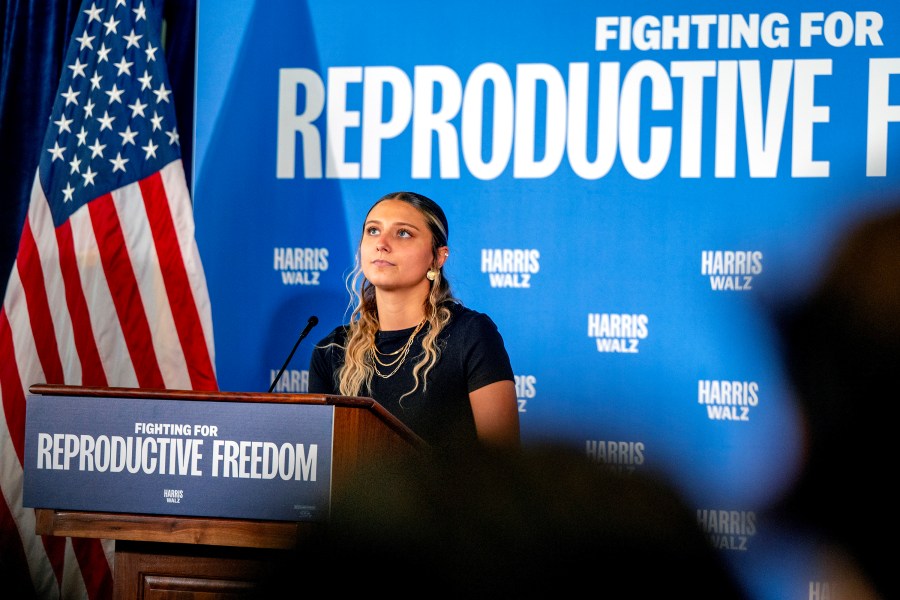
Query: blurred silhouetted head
[[842, 350], [539, 521]]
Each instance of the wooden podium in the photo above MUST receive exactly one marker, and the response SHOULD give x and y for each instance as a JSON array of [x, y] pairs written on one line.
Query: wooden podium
[[166, 557]]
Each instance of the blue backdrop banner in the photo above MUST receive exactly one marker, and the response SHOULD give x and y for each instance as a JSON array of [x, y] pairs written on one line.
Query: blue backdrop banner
[[632, 190]]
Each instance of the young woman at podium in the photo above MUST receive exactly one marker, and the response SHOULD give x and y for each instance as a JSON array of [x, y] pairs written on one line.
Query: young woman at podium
[[439, 367]]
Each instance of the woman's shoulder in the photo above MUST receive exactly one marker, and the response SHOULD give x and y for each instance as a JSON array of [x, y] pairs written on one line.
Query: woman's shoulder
[[465, 317], [476, 340], [336, 336]]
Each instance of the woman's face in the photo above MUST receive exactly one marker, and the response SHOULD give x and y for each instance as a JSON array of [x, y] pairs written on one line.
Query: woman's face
[[395, 251]]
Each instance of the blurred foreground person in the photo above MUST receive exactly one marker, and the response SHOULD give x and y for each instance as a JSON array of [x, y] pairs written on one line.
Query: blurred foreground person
[[841, 345], [493, 522]]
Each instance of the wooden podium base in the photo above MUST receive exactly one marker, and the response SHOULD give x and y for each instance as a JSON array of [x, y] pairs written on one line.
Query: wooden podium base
[[177, 558], [158, 571]]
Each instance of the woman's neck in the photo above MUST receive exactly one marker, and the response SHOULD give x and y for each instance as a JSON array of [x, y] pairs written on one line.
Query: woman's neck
[[399, 311]]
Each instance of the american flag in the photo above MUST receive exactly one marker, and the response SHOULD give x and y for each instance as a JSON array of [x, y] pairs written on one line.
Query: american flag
[[108, 288]]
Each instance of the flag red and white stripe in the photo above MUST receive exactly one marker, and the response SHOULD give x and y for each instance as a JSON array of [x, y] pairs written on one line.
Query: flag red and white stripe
[[108, 288]]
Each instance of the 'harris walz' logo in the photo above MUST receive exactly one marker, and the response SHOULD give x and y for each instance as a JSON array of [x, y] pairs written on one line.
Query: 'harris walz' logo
[[300, 266], [173, 496], [510, 268], [727, 400], [728, 529], [731, 270], [622, 456], [617, 332]]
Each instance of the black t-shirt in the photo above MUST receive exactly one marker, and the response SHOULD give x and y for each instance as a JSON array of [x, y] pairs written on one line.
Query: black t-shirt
[[472, 355]]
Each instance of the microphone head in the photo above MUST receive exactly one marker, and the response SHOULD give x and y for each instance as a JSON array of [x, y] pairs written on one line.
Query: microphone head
[[313, 321]]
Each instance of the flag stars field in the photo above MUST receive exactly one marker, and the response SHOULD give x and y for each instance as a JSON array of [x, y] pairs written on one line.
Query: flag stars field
[[110, 87]]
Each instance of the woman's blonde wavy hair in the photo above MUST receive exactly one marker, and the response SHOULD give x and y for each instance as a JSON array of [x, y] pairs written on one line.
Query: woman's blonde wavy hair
[[358, 369]]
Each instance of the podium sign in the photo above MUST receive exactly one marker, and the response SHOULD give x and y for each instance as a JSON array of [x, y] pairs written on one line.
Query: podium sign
[[270, 461]]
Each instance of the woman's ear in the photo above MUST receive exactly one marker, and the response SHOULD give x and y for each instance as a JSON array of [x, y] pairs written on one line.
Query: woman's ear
[[442, 253]]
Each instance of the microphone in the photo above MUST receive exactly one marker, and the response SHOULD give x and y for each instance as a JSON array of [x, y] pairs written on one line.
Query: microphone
[[313, 320]]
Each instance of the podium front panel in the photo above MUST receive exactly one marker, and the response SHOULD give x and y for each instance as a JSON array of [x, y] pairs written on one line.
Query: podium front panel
[[245, 460]]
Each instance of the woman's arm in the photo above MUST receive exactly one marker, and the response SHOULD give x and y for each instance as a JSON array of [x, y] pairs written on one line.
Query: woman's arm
[[496, 413]]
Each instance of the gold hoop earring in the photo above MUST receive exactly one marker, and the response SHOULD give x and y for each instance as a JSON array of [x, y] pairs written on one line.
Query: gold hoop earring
[[431, 275]]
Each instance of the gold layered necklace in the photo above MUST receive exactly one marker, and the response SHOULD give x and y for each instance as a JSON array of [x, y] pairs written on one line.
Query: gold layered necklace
[[399, 354]]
